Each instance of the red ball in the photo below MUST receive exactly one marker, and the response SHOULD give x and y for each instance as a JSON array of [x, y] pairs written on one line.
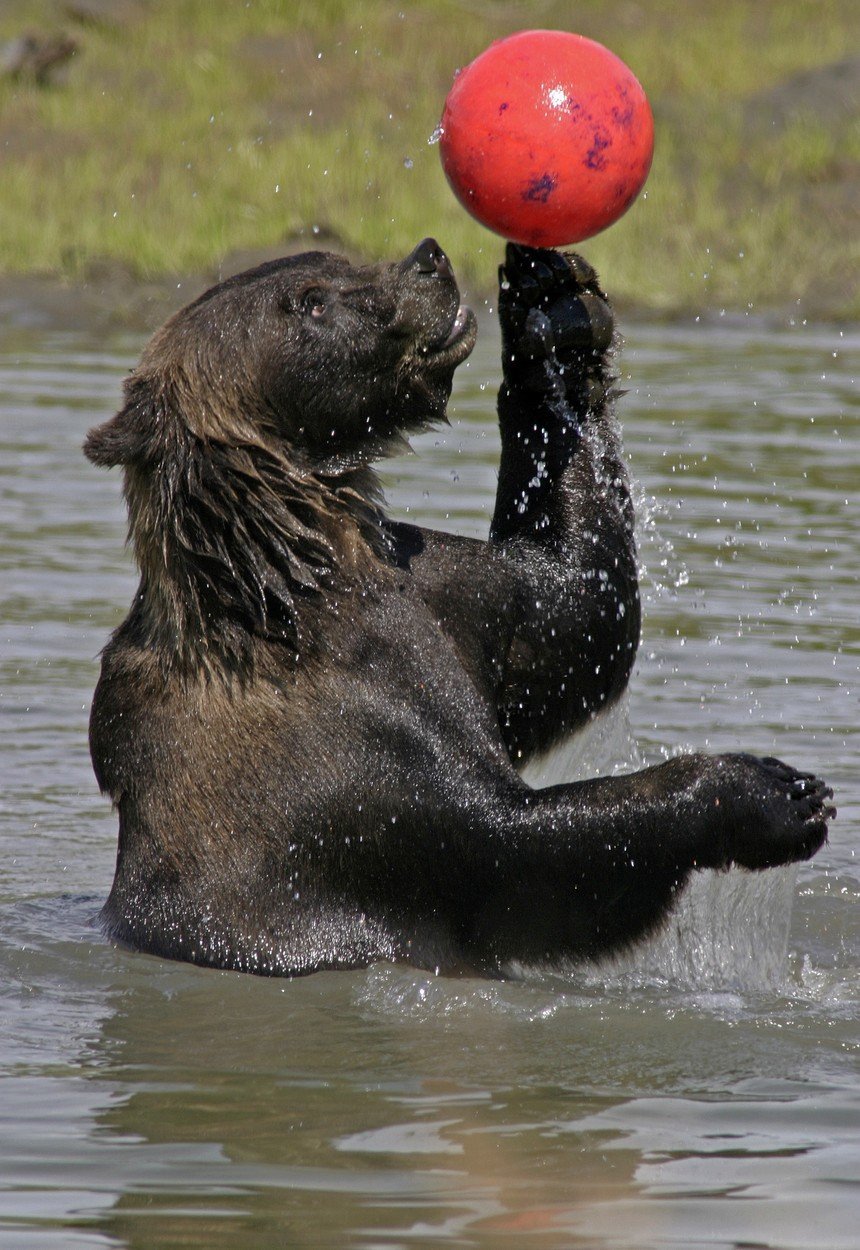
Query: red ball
[[547, 137]]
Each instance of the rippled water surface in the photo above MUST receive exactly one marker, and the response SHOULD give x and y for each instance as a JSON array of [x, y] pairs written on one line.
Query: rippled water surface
[[703, 1094]]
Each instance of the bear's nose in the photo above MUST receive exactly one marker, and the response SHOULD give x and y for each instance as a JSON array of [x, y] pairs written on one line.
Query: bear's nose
[[428, 257]]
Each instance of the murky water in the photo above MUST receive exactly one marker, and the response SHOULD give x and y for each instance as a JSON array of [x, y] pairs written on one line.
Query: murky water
[[704, 1094]]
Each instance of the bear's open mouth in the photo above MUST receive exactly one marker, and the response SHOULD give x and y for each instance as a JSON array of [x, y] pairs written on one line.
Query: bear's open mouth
[[456, 344], [458, 329]]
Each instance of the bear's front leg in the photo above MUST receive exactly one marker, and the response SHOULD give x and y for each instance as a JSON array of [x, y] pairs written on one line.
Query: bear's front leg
[[579, 871], [557, 332], [563, 516]]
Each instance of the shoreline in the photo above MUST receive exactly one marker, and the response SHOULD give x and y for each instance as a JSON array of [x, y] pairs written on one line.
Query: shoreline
[[112, 299], [178, 135]]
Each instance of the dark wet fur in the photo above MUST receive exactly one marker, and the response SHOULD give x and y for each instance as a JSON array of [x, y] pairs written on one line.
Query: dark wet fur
[[312, 718]]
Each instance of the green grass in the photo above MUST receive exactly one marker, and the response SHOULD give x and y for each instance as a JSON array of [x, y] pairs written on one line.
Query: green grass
[[201, 128]]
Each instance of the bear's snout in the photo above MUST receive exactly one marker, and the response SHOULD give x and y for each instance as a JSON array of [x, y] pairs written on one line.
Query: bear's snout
[[428, 257]]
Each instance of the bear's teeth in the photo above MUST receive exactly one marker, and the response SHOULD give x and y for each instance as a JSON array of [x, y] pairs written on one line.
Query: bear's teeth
[[458, 326]]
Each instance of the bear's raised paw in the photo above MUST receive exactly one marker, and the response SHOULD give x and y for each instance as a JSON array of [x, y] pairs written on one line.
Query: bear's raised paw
[[554, 315]]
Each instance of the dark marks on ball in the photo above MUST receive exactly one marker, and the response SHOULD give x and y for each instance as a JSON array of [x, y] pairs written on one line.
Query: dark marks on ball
[[623, 117], [624, 112], [540, 189], [594, 157]]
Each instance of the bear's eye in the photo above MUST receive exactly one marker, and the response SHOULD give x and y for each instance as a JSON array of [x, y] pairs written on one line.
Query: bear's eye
[[314, 303]]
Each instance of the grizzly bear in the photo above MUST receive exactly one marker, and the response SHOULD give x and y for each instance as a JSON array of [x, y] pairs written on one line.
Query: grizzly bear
[[312, 719]]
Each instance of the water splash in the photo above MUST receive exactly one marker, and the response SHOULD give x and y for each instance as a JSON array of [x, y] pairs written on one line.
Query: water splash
[[661, 572], [605, 746], [729, 931]]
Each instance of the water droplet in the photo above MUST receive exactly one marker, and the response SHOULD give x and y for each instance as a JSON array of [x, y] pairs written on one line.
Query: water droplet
[[437, 134], [408, 163]]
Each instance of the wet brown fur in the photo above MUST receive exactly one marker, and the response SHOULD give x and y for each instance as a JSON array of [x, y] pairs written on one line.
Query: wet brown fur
[[310, 721]]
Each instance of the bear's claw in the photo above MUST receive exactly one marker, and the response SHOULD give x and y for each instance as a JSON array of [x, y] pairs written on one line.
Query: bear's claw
[[791, 817]]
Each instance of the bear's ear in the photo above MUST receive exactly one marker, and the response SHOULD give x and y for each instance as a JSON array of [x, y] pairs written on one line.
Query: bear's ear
[[128, 437]]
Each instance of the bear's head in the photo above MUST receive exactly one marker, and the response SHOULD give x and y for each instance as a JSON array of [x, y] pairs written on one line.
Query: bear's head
[[249, 422], [328, 358]]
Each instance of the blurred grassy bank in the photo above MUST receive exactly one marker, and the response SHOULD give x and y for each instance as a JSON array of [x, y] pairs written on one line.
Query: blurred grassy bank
[[188, 135]]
